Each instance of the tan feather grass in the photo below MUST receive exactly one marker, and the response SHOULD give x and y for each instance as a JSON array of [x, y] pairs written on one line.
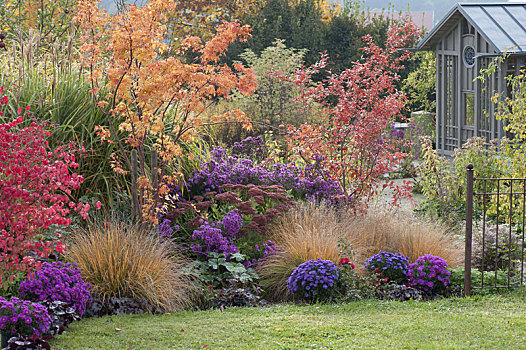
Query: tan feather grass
[[306, 232], [312, 231], [412, 236], [124, 260]]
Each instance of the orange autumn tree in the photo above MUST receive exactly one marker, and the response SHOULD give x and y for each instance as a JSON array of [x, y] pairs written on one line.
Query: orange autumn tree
[[199, 17], [49, 19], [158, 101]]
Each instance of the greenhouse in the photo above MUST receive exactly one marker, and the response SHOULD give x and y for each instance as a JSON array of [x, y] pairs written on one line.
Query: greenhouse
[[466, 40]]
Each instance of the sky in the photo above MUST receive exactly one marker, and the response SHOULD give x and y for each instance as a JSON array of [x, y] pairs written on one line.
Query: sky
[[439, 7]]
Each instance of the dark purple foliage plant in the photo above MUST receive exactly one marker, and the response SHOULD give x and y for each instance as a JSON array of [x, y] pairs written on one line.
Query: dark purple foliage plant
[[28, 342], [62, 315]]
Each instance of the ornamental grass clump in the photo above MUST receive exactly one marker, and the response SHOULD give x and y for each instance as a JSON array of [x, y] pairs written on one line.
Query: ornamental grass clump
[[429, 273], [23, 317], [314, 280], [57, 282], [307, 232], [130, 261], [390, 265], [410, 236]]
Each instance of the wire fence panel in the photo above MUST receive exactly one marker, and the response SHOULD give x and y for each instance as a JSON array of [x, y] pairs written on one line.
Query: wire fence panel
[[495, 218]]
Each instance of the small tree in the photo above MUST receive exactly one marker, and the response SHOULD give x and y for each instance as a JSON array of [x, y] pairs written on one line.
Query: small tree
[[274, 100], [420, 83], [158, 101], [360, 105]]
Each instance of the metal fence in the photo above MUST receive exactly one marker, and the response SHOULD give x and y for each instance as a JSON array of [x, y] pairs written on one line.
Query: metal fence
[[496, 208]]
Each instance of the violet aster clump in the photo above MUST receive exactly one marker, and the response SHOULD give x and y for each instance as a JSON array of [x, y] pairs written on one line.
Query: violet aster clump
[[210, 238], [393, 266], [429, 273], [252, 147], [23, 317], [165, 229], [314, 280], [397, 134], [218, 236], [264, 251], [232, 222], [302, 183], [57, 281]]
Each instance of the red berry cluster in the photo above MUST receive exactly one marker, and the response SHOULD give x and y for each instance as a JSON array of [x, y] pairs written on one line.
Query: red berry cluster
[[2, 43]]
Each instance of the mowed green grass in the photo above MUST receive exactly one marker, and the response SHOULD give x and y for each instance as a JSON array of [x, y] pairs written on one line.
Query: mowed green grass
[[491, 322]]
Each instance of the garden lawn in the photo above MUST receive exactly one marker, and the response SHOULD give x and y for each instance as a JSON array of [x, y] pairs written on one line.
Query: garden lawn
[[491, 322]]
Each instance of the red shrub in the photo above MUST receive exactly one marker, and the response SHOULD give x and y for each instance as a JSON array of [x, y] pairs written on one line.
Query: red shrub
[[34, 186]]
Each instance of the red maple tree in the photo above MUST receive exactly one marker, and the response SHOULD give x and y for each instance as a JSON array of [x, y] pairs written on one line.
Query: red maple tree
[[353, 143]]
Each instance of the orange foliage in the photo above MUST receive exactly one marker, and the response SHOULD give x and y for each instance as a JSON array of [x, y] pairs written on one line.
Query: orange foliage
[[158, 101]]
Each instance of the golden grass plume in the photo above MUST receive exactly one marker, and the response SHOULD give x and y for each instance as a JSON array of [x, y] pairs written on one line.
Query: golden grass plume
[[306, 232], [411, 236], [124, 260]]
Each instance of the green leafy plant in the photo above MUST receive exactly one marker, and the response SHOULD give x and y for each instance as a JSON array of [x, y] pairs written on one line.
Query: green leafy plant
[[220, 272], [354, 286], [420, 83], [436, 181], [222, 281], [10, 286], [510, 106], [444, 182], [499, 278]]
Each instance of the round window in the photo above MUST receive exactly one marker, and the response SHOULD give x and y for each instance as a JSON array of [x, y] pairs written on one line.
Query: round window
[[469, 56]]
